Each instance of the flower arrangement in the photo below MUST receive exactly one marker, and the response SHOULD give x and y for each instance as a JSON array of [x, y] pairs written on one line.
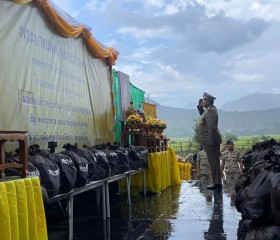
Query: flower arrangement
[[148, 118], [155, 123], [151, 123], [134, 119], [162, 124]]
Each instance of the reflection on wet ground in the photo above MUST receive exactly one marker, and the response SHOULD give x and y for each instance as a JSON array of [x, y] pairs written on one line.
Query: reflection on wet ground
[[186, 211]]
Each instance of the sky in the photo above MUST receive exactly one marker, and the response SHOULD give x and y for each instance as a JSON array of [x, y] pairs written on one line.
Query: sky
[[177, 50]]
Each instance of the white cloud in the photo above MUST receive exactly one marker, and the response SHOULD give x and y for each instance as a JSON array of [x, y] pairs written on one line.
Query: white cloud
[[110, 42], [154, 3], [176, 7], [245, 77], [67, 6], [175, 50], [275, 90], [241, 9], [96, 6], [147, 33], [167, 69]]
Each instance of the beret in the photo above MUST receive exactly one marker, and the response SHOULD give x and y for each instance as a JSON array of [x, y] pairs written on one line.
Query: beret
[[229, 142]]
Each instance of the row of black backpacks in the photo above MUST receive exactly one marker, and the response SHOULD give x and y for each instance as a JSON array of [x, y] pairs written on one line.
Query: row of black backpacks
[[74, 167], [258, 193]]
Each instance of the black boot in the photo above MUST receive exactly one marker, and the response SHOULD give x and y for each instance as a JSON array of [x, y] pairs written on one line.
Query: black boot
[[211, 187], [217, 187]]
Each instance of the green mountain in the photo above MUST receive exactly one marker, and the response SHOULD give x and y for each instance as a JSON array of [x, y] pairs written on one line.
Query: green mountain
[[258, 122], [256, 101]]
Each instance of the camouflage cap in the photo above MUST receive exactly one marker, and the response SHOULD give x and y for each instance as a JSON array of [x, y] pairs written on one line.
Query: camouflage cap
[[208, 96]]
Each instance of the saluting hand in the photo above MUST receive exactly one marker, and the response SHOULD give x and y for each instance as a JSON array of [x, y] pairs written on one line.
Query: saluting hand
[[200, 106]]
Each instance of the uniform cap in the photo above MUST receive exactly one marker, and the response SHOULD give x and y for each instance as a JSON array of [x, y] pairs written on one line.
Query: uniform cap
[[208, 96], [229, 142]]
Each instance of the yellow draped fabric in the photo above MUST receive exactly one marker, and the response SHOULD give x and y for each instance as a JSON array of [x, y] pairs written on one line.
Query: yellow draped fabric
[[162, 172], [175, 176], [22, 215], [185, 170], [67, 30], [150, 109]]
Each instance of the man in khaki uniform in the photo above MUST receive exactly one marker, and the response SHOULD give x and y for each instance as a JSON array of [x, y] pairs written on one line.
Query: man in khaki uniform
[[210, 138]]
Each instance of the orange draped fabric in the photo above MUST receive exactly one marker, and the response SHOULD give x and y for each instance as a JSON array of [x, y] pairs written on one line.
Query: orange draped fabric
[[22, 1], [58, 22], [66, 30], [96, 50]]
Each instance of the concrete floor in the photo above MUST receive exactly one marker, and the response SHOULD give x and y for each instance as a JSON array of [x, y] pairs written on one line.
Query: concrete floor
[[186, 211]]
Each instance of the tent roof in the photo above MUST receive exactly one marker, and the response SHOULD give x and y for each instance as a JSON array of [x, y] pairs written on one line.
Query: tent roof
[[70, 28]]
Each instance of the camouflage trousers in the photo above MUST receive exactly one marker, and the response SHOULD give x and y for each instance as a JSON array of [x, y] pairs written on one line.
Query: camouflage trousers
[[230, 181]]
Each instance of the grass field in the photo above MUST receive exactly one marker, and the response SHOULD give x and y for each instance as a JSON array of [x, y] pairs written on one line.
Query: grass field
[[184, 146]]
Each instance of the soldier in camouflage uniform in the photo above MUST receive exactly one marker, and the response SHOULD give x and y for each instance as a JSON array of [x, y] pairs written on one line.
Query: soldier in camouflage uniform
[[203, 167], [231, 166], [231, 162]]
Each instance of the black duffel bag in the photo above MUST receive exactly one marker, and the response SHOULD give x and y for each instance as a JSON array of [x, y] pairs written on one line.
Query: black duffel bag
[[125, 162], [86, 154], [49, 174], [264, 233], [135, 155], [92, 161], [275, 199], [81, 165], [111, 156], [102, 166], [32, 171], [241, 199], [257, 204], [66, 166], [68, 171], [113, 160], [243, 180], [144, 154]]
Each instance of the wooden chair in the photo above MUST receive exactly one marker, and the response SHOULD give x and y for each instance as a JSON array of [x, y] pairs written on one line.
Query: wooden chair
[[22, 138]]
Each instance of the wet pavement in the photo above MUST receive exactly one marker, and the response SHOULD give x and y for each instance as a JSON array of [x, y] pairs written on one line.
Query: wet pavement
[[186, 211]]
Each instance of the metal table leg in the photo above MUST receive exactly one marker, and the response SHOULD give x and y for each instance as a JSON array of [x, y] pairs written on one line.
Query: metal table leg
[[107, 200], [70, 216], [128, 181], [144, 182], [98, 192], [104, 200]]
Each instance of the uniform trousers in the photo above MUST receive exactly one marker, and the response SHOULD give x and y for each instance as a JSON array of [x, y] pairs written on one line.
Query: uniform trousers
[[213, 156]]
